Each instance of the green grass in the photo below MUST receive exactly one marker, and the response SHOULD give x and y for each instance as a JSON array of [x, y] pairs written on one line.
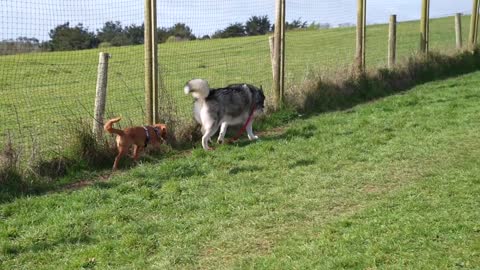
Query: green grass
[[392, 184], [42, 93]]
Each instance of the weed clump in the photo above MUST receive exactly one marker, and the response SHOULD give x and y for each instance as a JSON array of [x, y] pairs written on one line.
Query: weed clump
[[10, 174], [85, 148]]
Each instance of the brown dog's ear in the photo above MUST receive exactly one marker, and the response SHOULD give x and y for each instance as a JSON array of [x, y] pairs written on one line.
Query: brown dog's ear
[[164, 132]]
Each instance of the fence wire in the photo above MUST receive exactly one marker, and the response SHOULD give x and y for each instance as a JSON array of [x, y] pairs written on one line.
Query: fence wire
[[49, 53]]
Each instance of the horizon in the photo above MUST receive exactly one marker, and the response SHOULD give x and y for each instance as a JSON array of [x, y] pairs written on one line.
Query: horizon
[[36, 18]]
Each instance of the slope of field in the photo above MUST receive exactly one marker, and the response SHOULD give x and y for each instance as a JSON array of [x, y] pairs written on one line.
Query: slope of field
[[391, 185], [43, 92]]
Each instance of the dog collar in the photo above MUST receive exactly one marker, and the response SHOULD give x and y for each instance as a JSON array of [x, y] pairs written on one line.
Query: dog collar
[[157, 132]]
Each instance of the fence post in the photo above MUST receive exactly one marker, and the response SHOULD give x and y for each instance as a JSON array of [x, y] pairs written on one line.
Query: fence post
[[271, 41], [148, 63], [458, 30], [474, 24], [361, 20], [424, 26], [392, 41], [101, 95], [155, 72], [276, 53], [282, 54], [364, 35]]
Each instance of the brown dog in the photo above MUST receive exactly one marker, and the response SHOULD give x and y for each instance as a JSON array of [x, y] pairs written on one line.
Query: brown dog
[[140, 137]]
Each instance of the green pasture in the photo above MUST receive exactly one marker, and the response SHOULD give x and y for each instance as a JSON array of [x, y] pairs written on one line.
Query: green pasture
[[391, 184], [44, 94]]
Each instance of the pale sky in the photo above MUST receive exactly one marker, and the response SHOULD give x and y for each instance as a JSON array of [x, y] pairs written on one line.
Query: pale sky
[[35, 18]]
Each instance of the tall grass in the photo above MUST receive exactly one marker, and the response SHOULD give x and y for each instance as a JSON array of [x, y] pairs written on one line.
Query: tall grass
[[319, 93]]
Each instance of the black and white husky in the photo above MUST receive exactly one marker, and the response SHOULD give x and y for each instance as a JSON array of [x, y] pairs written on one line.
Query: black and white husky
[[231, 105]]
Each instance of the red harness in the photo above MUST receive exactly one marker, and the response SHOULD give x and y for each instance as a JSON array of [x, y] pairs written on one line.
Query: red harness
[[244, 127]]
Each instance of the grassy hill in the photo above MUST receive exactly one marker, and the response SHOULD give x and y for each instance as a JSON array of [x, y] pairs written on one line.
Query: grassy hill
[[391, 185], [42, 93]]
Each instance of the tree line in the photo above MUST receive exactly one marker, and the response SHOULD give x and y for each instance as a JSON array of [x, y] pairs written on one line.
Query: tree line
[[65, 37]]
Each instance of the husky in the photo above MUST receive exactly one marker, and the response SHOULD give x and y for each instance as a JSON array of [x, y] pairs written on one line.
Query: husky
[[234, 104]]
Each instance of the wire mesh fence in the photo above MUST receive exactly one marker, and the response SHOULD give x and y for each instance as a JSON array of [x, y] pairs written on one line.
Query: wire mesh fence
[[49, 53]]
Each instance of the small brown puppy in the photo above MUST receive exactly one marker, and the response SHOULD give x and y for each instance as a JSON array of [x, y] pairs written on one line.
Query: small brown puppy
[[140, 137]]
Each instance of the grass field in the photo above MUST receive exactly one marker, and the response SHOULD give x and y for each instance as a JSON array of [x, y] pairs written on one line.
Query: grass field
[[392, 184], [43, 92]]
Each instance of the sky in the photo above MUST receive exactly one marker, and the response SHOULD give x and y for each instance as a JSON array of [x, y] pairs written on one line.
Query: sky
[[35, 18]]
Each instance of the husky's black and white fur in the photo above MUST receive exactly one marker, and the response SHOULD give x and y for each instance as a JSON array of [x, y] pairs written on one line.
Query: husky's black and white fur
[[231, 105]]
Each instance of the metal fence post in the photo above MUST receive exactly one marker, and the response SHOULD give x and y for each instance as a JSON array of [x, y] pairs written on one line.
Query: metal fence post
[[101, 95]]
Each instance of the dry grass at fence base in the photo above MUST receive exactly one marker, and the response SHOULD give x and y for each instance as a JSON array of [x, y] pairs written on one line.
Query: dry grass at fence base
[[319, 93], [9, 163]]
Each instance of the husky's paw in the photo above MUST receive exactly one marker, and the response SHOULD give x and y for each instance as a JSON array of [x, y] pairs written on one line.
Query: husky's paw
[[253, 138], [220, 141]]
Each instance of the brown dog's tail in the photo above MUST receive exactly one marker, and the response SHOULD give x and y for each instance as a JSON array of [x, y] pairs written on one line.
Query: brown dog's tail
[[108, 126]]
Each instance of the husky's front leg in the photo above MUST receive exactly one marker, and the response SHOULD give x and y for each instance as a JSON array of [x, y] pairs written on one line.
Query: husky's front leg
[[249, 128], [223, 130]]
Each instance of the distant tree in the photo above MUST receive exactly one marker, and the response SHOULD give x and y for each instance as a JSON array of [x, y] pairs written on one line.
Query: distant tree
[[182, 31], [20, 45], [205, 37], [296, 24], [113, 33], [135, 34], [257, 25], [63, 37], [179, 31], [233, 30], [162, 34], [317, 26]]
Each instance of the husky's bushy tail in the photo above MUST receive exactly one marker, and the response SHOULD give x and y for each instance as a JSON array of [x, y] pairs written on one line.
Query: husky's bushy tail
[[198, 87], [108, 126]]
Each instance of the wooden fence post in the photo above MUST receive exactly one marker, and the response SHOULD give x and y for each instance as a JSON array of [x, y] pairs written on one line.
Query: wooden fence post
[[424, 26], [282, 54], [477, 19], [361, 36], [271, 43], [155, 72], [364, 35], [148, 63], [458, 30], [473, 37], [276, 53], [392, 41], [101, 95]]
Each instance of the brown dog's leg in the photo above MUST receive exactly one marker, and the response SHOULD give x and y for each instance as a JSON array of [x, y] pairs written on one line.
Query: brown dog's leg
[[136, 150], [121, 152]]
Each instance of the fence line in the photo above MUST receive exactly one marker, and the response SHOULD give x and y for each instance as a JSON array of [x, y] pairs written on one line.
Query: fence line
[[46, 81]]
